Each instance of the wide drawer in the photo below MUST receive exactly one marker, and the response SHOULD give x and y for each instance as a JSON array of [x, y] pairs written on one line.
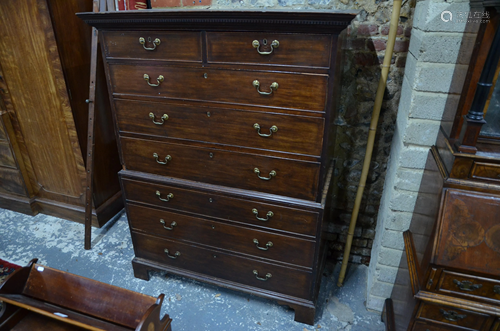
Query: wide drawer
[[6, 156], [11, 181], [305, 50], [294, 91], [429, 326], [221, 235], [449, 316], [298, 179], [477, 288], [257, 213], [293, 134], [172, 46], [486, 171], [214, 263]]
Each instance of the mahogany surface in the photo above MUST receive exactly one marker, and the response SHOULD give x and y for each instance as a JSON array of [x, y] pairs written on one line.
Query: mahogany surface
[[208, 195]]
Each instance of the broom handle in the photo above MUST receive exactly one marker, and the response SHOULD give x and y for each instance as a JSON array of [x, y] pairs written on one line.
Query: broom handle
[[396, 8]]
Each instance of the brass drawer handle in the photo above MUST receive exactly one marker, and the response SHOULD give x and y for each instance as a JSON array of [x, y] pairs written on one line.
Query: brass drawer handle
[[176, 254], [256, 44], [174, 223], [156, 42], [256, 273], [272, 130], [169, 196], [167, 158], [163, 118], [451, 315], [268, 215], [268, 245], [466, 285], [159, 80], [274, 86], [271, 174], [496, 289]]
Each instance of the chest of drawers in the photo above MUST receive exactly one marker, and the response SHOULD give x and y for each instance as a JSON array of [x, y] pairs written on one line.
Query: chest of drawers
[[225, 127]]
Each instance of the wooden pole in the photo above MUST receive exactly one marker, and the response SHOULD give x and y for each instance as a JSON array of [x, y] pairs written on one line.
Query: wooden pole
[[396, 8]]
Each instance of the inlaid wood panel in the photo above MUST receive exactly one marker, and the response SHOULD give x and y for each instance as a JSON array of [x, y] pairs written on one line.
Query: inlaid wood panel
[[6, 156], [295, 90], [33, 73]]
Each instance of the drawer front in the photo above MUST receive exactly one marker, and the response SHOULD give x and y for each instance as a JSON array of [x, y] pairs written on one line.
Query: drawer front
[[428, 326], [453, 317], [293, 134], [225, 266], [172, 46], [292, 178], [6, 156], [477, 288], [305, 50], [256, 213], [486, 171], [295, 91], [220, 235], [11, 182]]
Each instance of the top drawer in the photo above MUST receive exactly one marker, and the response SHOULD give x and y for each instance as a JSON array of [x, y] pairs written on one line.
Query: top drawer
[[157, 45], [303, 50]]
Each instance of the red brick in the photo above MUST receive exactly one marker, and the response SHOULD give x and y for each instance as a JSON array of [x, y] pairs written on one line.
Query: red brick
[[385, 30], [366, 59], [367, 30], [377, 45], [357, 44], [165, 3], [401, 46], [187, 3], [408, 32]]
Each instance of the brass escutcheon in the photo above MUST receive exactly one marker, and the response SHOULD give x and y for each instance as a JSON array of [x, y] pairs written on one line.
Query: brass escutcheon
[[466, 285], [272, 130], [156, 42], [452, 315]]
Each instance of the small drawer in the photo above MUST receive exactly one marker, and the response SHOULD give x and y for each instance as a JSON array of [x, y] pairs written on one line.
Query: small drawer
[[11, 181], [297, 179], [172, 46], [450, 316], [476, 288], [213, 263], [486, 171], [269, 131], [289, 219], [303, 50], [221, 235], [428, 326], [275, 89], [6, 156]]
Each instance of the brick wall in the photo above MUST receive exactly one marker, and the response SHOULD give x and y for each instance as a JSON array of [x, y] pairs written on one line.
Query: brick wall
[[436, 66]]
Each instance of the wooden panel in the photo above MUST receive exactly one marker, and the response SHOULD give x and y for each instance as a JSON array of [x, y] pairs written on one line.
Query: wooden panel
[[30, 62], [295, 91], [220, 235], [486, 171], [217, 264], [11, 181], [428, 326], [59, 288], [33, 321], [450, 316], [295, 134], [3, 134], [292, 219], [296, 179], [468, 234], [6, 156], [307, 50], [470, 286], [173, 46]]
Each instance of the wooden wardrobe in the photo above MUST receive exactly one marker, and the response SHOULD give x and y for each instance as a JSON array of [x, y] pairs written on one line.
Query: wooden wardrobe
[[44, 83]]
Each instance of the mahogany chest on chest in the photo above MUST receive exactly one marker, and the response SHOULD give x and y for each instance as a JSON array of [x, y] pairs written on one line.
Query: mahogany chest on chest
[[225, 127]]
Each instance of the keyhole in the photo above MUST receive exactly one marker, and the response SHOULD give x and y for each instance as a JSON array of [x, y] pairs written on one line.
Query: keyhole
[[213, 227], [264, 42], [210, 200], [211, 155], [149, 39], [208, 114], [205, 75]]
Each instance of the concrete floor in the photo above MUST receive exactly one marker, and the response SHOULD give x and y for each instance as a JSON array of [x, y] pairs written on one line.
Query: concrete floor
[[192, 305]]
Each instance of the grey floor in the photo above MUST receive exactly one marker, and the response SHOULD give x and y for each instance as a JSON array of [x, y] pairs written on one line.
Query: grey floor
[[192, 305]]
